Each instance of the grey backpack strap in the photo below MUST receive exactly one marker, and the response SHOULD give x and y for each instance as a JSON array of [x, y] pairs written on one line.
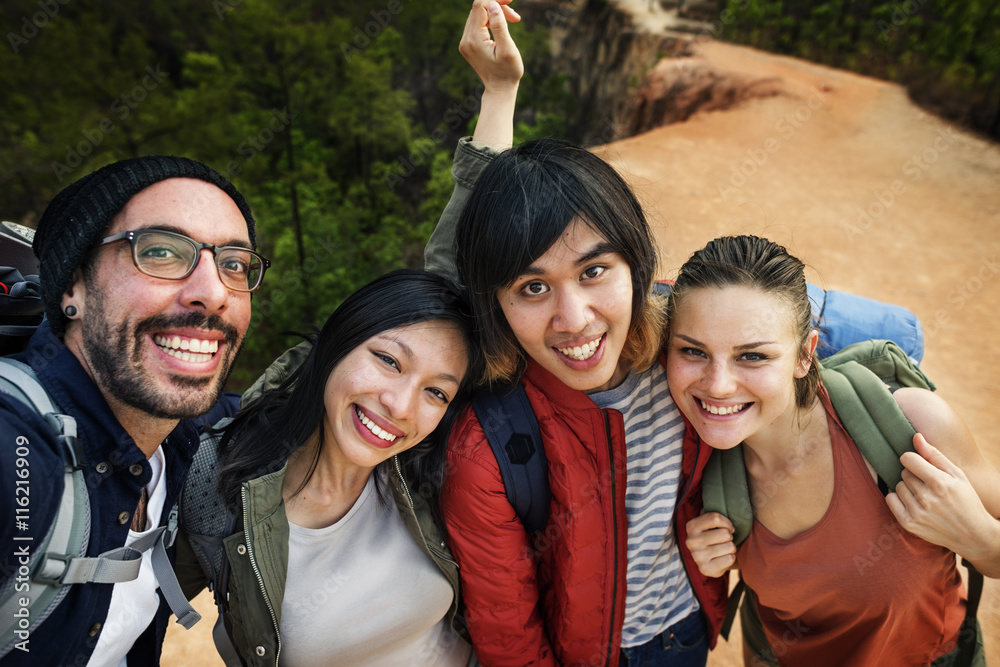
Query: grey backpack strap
[[167, 578], [69, 535]]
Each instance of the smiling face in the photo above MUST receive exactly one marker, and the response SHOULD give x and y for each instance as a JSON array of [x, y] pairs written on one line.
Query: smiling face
[[571, 309], [164, 347], [732, 360], [390, 392]]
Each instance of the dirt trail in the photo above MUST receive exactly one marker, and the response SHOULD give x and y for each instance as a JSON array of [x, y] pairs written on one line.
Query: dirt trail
[[877, 196]]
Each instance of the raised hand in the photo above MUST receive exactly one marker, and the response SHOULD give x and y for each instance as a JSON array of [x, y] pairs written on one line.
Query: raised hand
[[494, 58], [498, 64]]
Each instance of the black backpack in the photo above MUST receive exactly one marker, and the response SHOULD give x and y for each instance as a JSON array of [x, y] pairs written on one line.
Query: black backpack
[[20, 291]]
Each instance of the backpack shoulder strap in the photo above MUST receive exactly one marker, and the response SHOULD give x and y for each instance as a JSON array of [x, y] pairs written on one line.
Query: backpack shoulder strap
[[60, 559], [203, 512], [859, 379], [207, 522], [511, 428], [725, 490]]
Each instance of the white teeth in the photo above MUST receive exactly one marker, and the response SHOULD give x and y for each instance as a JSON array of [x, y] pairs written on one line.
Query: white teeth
[[187, 349], [727, 410], [374, 428], [581, 352], [187, 356]]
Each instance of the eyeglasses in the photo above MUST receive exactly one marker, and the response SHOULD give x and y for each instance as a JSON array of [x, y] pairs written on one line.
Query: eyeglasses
[[174, 256]]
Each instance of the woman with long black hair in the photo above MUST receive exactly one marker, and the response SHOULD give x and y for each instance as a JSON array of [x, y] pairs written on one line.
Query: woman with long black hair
[[335, 555]]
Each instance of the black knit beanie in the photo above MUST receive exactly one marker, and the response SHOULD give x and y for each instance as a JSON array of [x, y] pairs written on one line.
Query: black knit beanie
[[79, 216]]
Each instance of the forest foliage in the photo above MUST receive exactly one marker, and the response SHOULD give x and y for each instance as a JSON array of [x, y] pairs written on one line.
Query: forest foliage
[[336, 120], [945, 52]]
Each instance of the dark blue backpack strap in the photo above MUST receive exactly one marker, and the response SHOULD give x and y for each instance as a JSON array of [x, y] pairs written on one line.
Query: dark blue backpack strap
[[511, 428]]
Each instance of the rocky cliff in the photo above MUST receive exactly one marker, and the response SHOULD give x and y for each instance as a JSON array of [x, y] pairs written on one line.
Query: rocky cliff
[[630, 65]]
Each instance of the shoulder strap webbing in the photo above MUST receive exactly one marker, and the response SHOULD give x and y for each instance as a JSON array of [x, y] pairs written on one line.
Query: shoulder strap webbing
[[725, 490], [859, 379], [512, 431], [871, 417]]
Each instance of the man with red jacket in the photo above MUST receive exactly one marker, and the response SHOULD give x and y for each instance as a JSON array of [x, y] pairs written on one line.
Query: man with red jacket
[[560, 262]]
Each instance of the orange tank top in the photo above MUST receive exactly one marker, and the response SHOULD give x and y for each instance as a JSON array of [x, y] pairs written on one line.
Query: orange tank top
[[856, 589]]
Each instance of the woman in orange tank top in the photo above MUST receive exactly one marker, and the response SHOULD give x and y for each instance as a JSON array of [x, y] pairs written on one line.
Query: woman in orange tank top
[[842, 575]]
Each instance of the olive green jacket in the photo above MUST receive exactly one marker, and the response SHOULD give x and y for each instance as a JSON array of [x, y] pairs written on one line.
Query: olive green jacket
[[258, 562], [257, 550]]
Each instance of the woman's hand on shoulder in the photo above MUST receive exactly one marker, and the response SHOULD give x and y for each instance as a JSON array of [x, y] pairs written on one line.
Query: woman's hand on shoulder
[[950, 494], [710, 540]]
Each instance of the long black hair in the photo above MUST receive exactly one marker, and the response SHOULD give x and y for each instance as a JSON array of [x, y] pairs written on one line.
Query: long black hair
[[280, 421]]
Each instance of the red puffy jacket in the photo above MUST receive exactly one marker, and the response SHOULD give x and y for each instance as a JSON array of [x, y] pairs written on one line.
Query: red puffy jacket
[[557, 598]]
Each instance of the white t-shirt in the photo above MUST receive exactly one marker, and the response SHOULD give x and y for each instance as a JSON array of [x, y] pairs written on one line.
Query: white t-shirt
[[134, 603], [361, 592]]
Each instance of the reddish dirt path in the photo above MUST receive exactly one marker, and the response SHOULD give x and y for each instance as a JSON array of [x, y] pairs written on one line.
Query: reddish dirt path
[[829, 144]]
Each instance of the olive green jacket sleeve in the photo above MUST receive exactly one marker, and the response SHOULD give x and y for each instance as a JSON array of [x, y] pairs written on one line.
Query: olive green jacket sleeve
[[471, 158]]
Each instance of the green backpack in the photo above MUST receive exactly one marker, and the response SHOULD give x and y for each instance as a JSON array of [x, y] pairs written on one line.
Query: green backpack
[[860, 380]]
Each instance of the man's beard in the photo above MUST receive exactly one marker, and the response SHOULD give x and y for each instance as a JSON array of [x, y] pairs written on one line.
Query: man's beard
[[115, 358]]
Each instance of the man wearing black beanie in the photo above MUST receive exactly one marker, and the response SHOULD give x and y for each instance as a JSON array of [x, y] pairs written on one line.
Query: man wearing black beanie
[[146, 268]]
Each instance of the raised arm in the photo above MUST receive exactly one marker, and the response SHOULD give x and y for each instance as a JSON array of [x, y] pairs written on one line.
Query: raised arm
[[498, 63], [950, 493]]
